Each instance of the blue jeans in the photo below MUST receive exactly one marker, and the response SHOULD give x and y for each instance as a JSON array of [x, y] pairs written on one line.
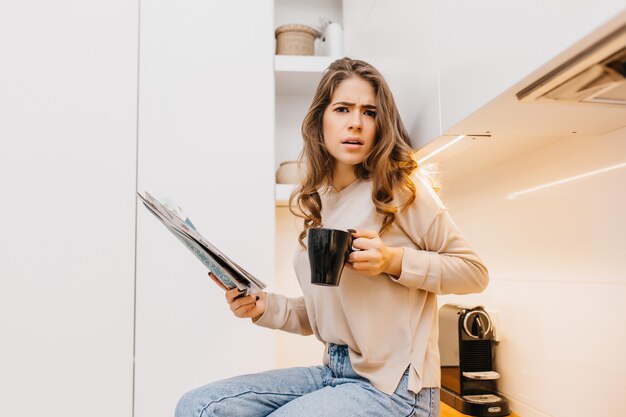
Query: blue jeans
[[330, 391]]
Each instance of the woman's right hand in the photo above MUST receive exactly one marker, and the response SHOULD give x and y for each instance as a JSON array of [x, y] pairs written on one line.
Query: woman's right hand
[[250, 306]]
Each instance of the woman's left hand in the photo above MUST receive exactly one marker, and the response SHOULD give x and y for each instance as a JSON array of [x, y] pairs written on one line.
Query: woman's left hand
[[372, 256]]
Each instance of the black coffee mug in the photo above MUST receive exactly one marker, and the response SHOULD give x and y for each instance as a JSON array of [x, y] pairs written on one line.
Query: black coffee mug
[[328, 252]]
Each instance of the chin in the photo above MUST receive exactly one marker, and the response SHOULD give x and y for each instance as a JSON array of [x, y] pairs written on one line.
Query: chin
[[351, 159]]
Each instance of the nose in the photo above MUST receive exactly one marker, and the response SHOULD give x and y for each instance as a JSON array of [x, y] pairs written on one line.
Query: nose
[[355, 121]]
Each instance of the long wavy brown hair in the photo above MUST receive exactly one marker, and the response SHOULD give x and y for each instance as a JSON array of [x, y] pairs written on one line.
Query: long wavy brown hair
[[389, 164]]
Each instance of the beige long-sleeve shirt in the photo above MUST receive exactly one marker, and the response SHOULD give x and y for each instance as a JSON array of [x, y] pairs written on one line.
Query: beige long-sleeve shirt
[[387, 323]]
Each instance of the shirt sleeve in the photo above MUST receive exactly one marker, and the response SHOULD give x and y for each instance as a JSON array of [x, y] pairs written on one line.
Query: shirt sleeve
[[288, 314], [443, 261]]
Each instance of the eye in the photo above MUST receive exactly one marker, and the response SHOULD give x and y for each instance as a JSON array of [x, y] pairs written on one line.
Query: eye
[[370, 113], [342, 109]]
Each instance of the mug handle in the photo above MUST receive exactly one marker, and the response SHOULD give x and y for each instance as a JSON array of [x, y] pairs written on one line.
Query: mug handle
[[350, 248]]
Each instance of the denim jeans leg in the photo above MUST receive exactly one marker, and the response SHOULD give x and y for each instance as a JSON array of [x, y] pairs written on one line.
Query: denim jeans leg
[[348, 394], [357, 399], [329, 391], [427, 403], [254, 395]]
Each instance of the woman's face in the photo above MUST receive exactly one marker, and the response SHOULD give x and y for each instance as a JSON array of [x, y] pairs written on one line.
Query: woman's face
[[349, 123]]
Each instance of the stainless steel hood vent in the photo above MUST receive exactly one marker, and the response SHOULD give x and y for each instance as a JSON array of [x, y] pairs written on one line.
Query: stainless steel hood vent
[[595, 75], [601, 83]]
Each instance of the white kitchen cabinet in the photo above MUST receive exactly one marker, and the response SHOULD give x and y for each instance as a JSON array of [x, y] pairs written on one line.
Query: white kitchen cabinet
[[68, 100], [485, 47], [206, 124], [400, 39]]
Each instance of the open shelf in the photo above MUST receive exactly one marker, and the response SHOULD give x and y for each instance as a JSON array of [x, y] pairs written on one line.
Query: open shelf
[[299, 74], [296, 76]]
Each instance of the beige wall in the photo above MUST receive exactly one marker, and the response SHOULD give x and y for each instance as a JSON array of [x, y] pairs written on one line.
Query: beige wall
[[291, 350], [558, 273]]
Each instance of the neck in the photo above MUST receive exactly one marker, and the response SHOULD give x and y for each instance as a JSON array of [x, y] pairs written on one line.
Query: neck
[[343, 176]]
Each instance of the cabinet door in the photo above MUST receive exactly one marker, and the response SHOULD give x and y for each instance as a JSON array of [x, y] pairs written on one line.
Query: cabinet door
[[67, 181], [487, 46], [206, 140], [400, 39]]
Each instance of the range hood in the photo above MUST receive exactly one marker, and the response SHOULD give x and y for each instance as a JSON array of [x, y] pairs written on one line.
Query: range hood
[[596, 75]]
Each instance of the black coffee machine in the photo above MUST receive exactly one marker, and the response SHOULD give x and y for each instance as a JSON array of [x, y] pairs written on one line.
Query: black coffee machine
[[468, 380]]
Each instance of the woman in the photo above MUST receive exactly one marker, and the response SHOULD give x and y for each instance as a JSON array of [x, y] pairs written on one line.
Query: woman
[[380, 325]]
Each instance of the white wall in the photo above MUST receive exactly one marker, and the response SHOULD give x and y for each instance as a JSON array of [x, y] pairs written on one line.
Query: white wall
[[558, 273], [206, 140], [68, 88]]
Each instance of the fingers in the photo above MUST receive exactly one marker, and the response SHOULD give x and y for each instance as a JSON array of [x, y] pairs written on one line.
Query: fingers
[[370, 256], [366, 249], [244, 309], [370, 234], [233, 294], [249, 306], [238, 304], [366, 268], [248, 309], [241, 303], [366, 239], [217, 281], [245, 306]]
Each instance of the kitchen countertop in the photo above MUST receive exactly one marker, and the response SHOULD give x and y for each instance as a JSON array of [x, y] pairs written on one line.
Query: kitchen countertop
[[447, 411]]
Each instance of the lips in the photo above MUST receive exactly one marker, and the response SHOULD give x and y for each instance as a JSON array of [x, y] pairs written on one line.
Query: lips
[[352, 141]]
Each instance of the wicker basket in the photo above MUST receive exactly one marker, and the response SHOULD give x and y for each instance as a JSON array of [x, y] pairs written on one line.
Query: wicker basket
[[295, 40]]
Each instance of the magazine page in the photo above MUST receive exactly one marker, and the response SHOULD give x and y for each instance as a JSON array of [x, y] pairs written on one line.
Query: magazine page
[[226, 278], [227, 271], [179, 224]]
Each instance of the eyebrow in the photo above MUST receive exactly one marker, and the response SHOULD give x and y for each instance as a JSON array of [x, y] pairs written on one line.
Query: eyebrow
[[348, 104]]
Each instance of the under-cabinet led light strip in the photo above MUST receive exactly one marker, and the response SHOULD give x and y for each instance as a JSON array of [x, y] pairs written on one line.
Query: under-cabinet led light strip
[[516, 194], [438, 150]]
